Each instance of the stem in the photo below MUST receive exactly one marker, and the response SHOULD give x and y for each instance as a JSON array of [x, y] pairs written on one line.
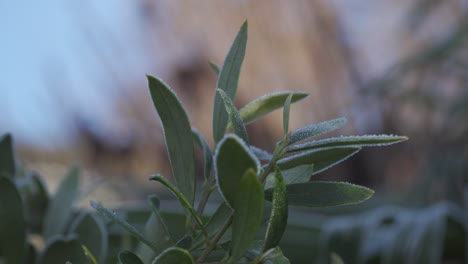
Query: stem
[[207, 190], [182, 200], [215, 240], [277, 154]]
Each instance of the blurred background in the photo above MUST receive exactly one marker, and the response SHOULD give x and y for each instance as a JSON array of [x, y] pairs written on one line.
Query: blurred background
[[73, 85]]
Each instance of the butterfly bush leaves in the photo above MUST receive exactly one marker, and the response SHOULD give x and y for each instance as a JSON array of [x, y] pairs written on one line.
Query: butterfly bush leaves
[[61, 206], [178, 135], [207, 155], [267, 104], [232, 159], [297, 174], [314, 130], [279, 213], [322, 159], [12, 223], [286, 110], [324, 194], [174, 255], [346, 141], [7, 158], [248, 213], [227, 81], [234, 116]]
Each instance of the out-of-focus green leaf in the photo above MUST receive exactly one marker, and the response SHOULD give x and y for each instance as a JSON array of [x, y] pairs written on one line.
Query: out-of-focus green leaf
[[316, 130], [260, 153], [12, 223], [248, 213], [37, 201], [31, 254], [234, 116], [174, 255], [287, 106], [227, 81], [92, 233], [207, 155], [232, 159], [322, 159], [61, 205], [178, 135], [7, 157], [122, 223], [279, 213], [155, 231], [62, 251], [267, 104], [324, 194], [128, 257], [349, 141], [295, 175], [335, 259], [214, 67]]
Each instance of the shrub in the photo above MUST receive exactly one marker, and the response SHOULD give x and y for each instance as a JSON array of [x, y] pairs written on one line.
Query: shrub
[[248, 179]]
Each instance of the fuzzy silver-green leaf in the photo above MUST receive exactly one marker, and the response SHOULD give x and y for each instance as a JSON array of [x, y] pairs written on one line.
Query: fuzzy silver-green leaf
[[228, 79], [178, 135], [324, 194]]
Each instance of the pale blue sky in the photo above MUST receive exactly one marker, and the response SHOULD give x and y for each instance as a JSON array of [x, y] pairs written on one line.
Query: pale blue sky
[[42, 39]]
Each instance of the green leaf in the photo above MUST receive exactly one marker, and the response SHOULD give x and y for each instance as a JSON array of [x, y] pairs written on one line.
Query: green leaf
[[12, 223], [248, 213], [234, 116], [227, 81], [267, 104], [207, 155], [232, 159], [349, 141], [155, 231], [7, 157], [61, 205], [272, 256], [214, 67], [185, 242], [92, 233], [178, 135], [260, 153], [324, 194], [335, 259], [122, 223], [174, 255], [62, 251], [279, 213], [287, 105], [298, 174], [316, 130], [322, 159], [37, 201], [127, 257], [181, 198]]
